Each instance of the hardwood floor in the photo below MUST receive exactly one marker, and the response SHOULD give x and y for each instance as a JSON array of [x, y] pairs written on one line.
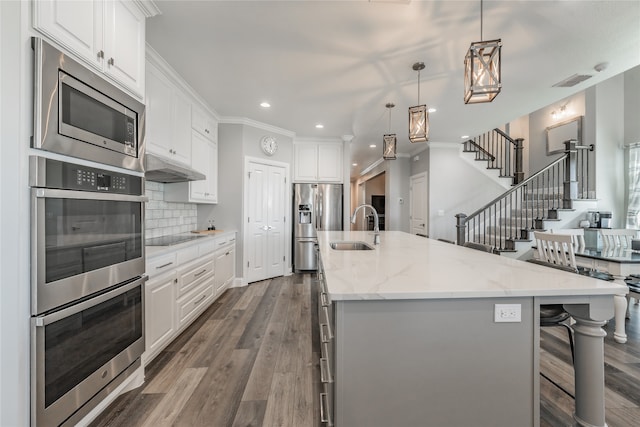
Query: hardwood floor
[[252, 360], [622, 376]]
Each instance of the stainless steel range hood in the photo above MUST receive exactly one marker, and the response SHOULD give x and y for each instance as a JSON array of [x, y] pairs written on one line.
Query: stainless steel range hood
[[163, 170]]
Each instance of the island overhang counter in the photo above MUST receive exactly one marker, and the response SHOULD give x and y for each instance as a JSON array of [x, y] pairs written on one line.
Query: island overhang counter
[[410, 336]]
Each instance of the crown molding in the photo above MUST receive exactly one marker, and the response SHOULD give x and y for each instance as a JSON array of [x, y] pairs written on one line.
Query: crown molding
[[311, 139], [148, 8], [256, 124]]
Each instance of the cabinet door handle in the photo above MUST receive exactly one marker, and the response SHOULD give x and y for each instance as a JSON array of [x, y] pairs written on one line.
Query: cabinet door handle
[[325, 337], [200, 273], [200, 299], [101, 54], [325, 373], [323, 404], [164, 265], [323, 299], [111, 61]]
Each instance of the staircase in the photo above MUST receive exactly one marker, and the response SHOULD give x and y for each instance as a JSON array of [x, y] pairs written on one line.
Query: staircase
[[553, 197]]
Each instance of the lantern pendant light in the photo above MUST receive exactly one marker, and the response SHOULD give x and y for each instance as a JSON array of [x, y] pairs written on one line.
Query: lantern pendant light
[[482, 70], [418, 115], [389, 140]]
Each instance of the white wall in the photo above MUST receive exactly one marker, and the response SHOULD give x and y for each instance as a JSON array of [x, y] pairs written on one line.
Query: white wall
[[541, 119], [632, 106], [235, 142], [605, 114], [454, 187], [397, 182], [15, 117]]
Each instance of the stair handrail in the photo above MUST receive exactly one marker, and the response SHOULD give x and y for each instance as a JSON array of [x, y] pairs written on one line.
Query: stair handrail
[[481, 149], [501, 151], [517, 186], [505, 136], [571, 170]]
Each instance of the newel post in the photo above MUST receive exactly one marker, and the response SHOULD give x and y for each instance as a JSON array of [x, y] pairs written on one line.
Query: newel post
[[461, 226], [570, 185], [518, 174]]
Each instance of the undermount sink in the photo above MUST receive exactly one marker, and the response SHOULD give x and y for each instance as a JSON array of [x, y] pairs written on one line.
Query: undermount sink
[[350, 246]]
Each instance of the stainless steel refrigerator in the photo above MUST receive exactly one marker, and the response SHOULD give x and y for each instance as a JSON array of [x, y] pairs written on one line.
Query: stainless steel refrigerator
[[315, 207]]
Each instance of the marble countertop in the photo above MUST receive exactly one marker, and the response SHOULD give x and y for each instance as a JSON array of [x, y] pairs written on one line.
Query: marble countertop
[[153, 251], [405, 266]]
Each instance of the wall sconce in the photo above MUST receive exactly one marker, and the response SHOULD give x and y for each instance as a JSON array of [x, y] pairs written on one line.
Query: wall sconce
[[389, 139], [418, 115], [561, 112], [482, 69]]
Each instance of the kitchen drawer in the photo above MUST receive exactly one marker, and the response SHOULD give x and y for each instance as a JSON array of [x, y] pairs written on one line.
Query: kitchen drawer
[[194, 302], [191, 275], [161, 264], [221, 242], [187, 254], [207, 248]]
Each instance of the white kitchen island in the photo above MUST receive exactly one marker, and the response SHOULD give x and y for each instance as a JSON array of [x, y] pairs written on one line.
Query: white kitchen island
[[408, 335]]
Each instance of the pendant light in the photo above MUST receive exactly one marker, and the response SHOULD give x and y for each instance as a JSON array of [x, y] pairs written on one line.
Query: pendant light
[[482, 72], [389, 139], [418, 115]]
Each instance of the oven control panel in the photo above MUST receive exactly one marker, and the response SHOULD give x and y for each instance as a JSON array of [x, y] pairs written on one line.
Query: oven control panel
[[50, 173]]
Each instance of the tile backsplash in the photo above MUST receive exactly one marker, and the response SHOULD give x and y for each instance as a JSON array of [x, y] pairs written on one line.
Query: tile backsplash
[[164, 218]]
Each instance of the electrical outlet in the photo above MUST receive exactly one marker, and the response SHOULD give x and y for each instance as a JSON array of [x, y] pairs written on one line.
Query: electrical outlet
[[507, 313]]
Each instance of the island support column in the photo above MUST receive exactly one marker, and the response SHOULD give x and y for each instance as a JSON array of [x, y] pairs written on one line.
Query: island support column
[[589, 372]]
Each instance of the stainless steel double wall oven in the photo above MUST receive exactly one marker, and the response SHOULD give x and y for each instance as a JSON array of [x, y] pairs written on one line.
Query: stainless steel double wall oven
[[87, 241]]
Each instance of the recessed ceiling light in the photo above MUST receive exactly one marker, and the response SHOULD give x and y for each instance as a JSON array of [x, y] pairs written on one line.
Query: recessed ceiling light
[[265, 104], [432, 110], [354, 164], [319, 126], [464, 137], [372, 145]]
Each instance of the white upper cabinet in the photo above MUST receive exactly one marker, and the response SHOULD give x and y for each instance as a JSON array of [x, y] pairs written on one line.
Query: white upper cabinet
[[204, 123], [168, 130], [204, 158], [181, 135], [108, 35], [124, 42], [330, 162], [317, 162]]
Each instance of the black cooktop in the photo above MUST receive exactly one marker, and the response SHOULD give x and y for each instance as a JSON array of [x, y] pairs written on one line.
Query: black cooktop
[[173, 239]]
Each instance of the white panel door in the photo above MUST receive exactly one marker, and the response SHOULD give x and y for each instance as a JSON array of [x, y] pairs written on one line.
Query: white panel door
[[265, 234], [419, 197]]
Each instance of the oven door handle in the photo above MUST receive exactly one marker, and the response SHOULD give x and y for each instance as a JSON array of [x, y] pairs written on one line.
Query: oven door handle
[[86, 195], [76, 308]]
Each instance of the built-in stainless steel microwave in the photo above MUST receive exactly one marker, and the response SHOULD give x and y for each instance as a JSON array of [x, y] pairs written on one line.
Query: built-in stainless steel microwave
[[80, 114]]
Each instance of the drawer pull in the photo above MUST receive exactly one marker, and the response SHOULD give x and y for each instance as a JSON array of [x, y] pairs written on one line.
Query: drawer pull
[[200, 300], [323, 299], [200, 273], [164, 265], [325, 372], [325, 337], [324, 403]]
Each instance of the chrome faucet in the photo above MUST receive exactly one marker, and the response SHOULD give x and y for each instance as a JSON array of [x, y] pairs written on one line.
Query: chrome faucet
[[376, 227]]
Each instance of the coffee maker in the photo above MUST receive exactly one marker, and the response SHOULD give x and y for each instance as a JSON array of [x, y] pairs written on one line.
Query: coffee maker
[[605, 219], [599, 219]]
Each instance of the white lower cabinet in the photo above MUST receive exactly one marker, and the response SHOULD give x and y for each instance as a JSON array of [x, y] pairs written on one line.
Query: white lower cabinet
[[160, 314], [225, 261], [195, 289], [182, 285]]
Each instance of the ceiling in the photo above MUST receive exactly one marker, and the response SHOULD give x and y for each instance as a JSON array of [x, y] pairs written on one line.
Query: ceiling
[[339, 62]]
